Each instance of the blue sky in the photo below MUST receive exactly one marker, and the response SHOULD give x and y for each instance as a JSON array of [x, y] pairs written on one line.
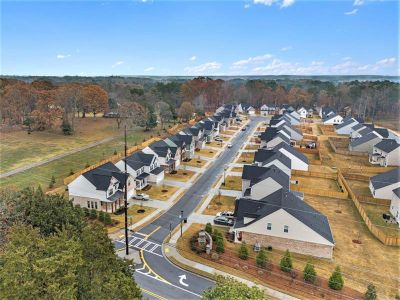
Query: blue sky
[[254, 37]]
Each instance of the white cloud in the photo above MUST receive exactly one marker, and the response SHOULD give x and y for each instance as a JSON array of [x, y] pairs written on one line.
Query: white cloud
[[352, 12], [280, 67], [386, 62], [281, 3], [251, 60], [149, 69], [246, 5], [287, 3], [358, 2], [204, 68], [62, 56], [287, 48], [118, 63], [194, 57]]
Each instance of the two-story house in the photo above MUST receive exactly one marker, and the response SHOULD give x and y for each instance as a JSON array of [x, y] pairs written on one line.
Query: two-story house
[[386, 153]]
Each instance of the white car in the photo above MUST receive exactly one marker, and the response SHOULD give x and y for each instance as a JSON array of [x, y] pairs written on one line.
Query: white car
[[143, 197], [229, 145], [228, 214]]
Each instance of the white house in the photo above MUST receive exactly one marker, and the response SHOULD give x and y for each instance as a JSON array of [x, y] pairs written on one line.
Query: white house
[[332, 119], [382, 185], [364, 143], [346, 126], [164, 155], [270, 140], [101, 188], [267, 158], [395, 205], [295, 134], [298, 160], [283, 221], [386, 153], [302, 112], [266, 110], [326, 111]]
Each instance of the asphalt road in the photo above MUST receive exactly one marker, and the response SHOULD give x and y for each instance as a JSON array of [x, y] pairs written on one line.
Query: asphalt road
[[157, 274]]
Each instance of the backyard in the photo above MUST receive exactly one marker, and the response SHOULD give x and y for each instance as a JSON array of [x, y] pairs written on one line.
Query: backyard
[[316, 183]]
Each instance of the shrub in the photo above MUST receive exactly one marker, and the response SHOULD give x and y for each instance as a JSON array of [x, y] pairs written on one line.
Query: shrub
[[336, 281], [370, 294], [193, 241], [208, 228], [216, 235], [93, 214], [107, 219], [261, 259], [71, 172], [286, 262], [52, 182], [115, 152], [243, 253], [86, 212], [220, 247], [309, 273], [101, 216], [269, 248], [87, 165], [66, 128]]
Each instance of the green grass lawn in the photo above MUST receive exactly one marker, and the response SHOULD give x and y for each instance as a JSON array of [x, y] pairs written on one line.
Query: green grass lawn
[[61, 168]]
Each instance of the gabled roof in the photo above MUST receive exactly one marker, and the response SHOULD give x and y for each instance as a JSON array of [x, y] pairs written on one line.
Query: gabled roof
[[257, 174], [139, 159], [289, 128], [100, 176], [383, 132], [365, 131], [347, 122], [363, 139], [385, 179], [275, 121], [187, 139], [329, 117], [292, 151], [387, 145], [160, 147], [269, 136], [397, 192], [357, 126], [266, 156], [286, 200]]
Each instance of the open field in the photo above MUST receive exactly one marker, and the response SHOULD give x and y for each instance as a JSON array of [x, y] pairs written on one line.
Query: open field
[[180, 175], [232, 183], [133, 217], [161, 192], [62, 167], [195, 162], [393, 124], [206, 152], [220, 203], [246, 158], [18, 148], [316, 182]]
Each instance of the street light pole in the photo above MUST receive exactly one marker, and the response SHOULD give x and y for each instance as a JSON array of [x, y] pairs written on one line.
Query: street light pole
[[126, 198], [181, 221]]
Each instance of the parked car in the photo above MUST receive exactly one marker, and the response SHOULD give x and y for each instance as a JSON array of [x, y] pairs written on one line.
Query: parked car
[[311, 145], [244, 129], [223, 221], [111, 114], [143, 197], [229, 145], [225, 214], [218, 139]]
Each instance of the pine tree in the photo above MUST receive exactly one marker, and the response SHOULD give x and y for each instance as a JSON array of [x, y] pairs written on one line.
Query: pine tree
[[243, 252], [309, 273], [336, 281], [261, 259], [370, 294], [286, 262], [208, 228], [220, 247], [52, 182]]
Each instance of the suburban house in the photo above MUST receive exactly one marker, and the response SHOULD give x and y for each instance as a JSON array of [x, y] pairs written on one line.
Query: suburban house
[[295, 114], [259, 182], [197, 132], [246, 109], [164, 154], [298, 160], [178, 150], [143, 167], [185, 140], [332, 119], [285, 108], [275, 122], [365, 143], [283, 221], [310, 113], [326, 111], [295, 135], [292, 117], [386, 153], [356, 129], [302, 112], [382, 185], [266, 110], [209, 130], [395, 205], [101, 188], [267, 158], [346, 126], [271, 138]]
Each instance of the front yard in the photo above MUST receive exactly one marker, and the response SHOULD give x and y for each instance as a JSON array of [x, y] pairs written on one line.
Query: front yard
[[195, 162], [133, 216], [316, 183], [220, 203], [161, 192], [207, 152], [180, 175], [246, 158], [252, 147], [216, 144], [232, 183]]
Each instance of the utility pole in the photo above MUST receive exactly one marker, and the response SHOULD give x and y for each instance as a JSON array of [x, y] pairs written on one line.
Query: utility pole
[[181, 221], [126, 198]]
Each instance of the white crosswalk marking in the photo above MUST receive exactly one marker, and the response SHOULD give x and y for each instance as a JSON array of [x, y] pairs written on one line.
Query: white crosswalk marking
[[145, 245]]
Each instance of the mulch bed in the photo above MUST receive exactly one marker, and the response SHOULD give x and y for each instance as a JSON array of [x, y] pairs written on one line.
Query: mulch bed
[[285, 281]]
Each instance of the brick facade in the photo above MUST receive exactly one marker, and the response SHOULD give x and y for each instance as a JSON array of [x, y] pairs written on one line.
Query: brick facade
[[307, 248]]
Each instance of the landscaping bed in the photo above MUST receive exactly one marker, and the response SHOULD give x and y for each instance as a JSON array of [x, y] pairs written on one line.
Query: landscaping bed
[[161, 192], [220, 203]]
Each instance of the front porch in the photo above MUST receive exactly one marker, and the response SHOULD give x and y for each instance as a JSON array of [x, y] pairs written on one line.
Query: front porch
[[142, 181], [115, 202]]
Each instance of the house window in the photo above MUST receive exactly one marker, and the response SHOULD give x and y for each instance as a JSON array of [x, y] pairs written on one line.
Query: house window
[[286, 228], [88, 204], [91, 202], [95, 205], [269, 226]]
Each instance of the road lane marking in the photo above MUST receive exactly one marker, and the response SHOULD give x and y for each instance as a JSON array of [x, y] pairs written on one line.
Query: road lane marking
[[181, 279], [153, 294]]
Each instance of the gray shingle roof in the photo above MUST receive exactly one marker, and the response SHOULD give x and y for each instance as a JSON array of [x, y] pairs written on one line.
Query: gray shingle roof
[[346, 123], [387, 145], [266, 156], [139, 159], [363, 139], [382, 132], [257, 174], [357, 127], [282, 199], [385, 179], [100, 177], [397, 192], [293, 151]]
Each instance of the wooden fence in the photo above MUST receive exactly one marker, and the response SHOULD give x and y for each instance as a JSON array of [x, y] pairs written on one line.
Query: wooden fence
[[326, 175], [363, 170], [377, 232], [310, 137], [333, 142]]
